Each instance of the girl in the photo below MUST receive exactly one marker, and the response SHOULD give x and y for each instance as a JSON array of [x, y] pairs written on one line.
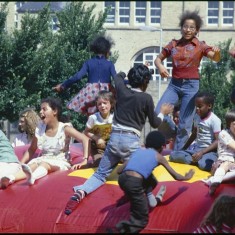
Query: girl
[[98, 127], [99, 70], [52, 137], [186, 54], [224, 167], [220, 218]]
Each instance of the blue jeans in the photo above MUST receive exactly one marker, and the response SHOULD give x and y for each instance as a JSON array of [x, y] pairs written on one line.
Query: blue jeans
[[185, 156], [185, 90], [120, 146]]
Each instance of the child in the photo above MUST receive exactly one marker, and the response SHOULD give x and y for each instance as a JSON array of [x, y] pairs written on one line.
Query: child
[[206, 129], [136, 180], [132, 108], [98, 127], [52, 138], [224, 167], [9, 163], [186, 53], [220, 218], [28, 121], [99, 71]]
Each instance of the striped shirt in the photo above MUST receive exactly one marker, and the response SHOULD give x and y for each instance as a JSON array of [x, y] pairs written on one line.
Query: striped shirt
[[212, 229]]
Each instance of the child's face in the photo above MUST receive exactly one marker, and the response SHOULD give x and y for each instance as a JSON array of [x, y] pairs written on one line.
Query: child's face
[[176, 117], [104, 107], [188, 30], [232, 128], [47, 113], [202, 108]]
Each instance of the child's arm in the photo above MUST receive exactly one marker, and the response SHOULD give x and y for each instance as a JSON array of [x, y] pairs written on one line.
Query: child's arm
[[191, 138], [30, 152], [80, 137], [162, 161], [212, 147], [100, 143]]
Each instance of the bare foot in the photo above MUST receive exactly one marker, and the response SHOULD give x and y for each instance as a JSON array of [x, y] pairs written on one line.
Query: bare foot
[[4, 182], [213, 188]]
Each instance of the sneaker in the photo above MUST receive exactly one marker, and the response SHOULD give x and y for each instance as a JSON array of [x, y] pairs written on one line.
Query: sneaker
[[71, 205], [73, 202], [4, 182]]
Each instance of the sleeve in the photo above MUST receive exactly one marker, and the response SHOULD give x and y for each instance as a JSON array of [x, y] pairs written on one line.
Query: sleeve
[[154, 120], [90, 122], [205, 48], [216, 125], [166, 51], [119, 79], [78, 76], [113, 71], [225, 138]]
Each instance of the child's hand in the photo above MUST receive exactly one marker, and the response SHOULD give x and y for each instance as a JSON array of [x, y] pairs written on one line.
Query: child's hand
[[79, 165], [167, 108], [100, 143], [58, 88], [189, 174]]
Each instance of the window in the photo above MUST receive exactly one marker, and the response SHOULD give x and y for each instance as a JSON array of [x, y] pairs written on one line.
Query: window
[[228, 12], [124, 12], [149, 55], [111, 12], [213, 12], [140, 12], [155, 12], [16, 20]]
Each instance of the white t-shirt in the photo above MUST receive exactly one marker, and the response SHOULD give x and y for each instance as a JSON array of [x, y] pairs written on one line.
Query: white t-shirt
[[20, 140], [206, 128], [99, 125], [224, 152]]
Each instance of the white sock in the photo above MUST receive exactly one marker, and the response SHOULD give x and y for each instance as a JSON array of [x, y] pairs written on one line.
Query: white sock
[[151, 199], [39, 173], [230, 175], [161, 193], [218, 176], [11, 178]]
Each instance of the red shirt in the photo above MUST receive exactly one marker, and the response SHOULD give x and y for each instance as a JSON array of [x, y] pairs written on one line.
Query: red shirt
[[186, 57]]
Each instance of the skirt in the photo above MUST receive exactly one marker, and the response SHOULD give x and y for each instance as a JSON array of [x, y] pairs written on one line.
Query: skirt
[[84, 101]]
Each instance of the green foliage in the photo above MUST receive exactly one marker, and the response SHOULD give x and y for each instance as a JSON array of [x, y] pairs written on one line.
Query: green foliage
[[216, 78], [34, 59]]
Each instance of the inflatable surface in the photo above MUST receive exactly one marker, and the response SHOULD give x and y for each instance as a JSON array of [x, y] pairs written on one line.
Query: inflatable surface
[[40, 208]]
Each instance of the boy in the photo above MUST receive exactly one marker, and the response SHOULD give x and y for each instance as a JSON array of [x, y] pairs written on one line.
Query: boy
[[206, 129], [132, 108], [136, 179]]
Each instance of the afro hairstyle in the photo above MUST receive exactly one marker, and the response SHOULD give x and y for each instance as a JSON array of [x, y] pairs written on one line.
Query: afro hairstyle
[[155, 139], [139, 75]]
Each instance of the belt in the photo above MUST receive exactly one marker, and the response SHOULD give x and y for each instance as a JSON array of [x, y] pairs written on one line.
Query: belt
[[134, 173], [125, 132]]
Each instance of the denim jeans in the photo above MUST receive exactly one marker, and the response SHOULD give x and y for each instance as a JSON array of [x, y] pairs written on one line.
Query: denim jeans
[[185, 90], [185, 156], [120, 146]]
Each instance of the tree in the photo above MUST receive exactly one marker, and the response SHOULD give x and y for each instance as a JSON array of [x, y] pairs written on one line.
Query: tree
[[215, 78], [34, 59]]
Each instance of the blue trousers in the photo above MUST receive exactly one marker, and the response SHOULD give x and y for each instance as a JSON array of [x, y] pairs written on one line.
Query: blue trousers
[[185, 90]]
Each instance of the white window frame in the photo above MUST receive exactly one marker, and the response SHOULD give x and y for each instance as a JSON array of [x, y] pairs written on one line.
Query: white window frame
[[210, 16], [153, 14], [110, 15], [123, 15], [140, 16], [228, 9]]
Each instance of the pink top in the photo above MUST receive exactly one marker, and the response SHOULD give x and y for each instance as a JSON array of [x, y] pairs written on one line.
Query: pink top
[[186, 57]]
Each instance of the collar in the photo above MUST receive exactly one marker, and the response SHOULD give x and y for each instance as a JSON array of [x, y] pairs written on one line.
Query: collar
[[136, 89], [194, 41]]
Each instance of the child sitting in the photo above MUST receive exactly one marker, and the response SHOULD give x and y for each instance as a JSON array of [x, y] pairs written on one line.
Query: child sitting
[[206, 129]]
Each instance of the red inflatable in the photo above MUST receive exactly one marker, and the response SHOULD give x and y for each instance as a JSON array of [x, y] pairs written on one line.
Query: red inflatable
[[39, 208]]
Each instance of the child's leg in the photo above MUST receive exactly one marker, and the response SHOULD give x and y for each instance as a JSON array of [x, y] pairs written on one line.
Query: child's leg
[[39, 172], [160, 194]]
